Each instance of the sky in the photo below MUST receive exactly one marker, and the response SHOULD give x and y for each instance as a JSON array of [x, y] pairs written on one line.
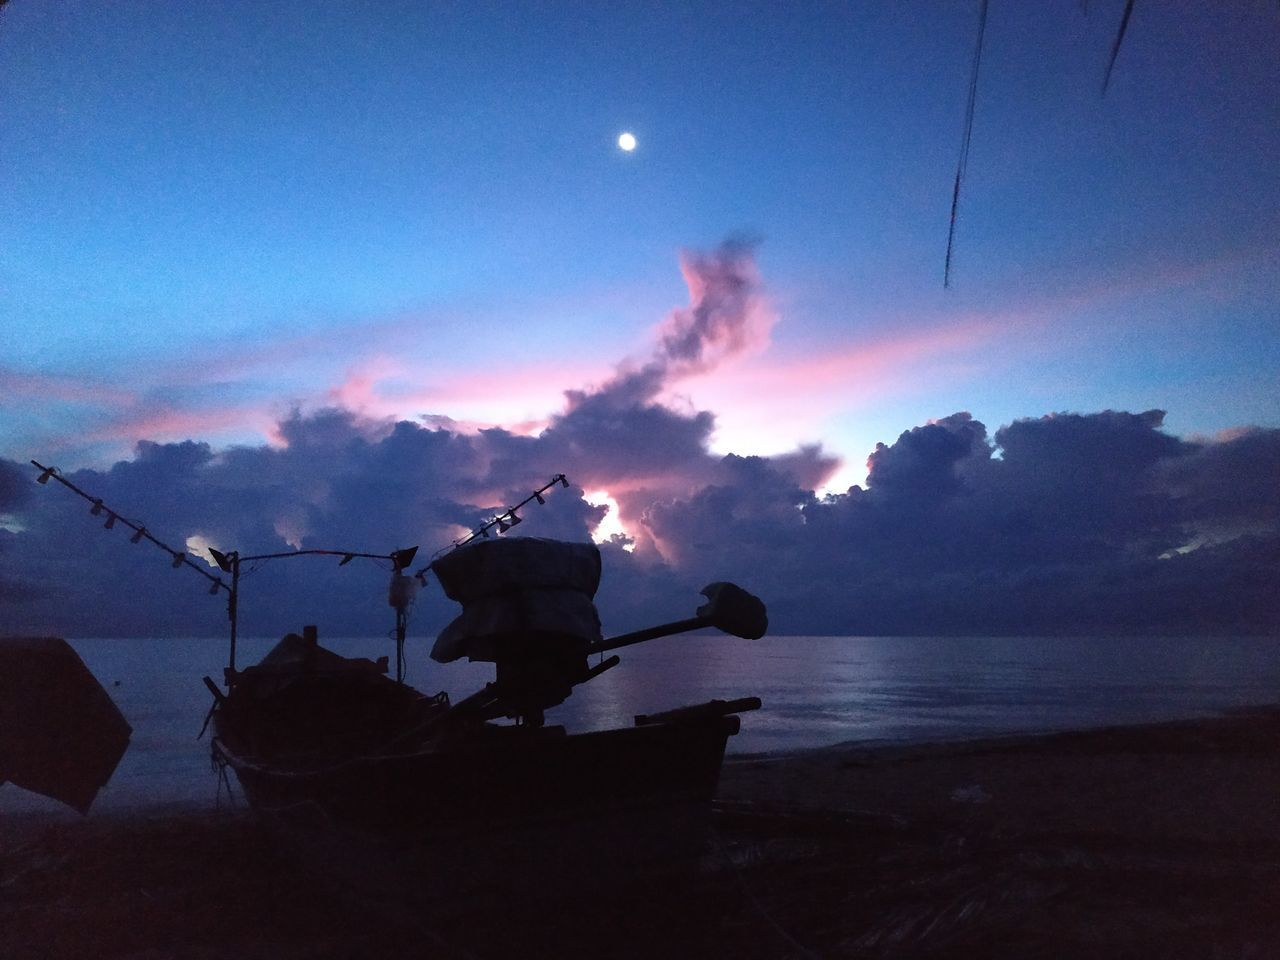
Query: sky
[[282, 275]]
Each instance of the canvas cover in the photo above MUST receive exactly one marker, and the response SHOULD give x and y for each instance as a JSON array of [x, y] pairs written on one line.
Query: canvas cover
[[299, 658], [296, 654], [60, 734], [517, 589]]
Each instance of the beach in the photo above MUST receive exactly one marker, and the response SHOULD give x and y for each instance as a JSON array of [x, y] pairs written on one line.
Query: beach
[[1140, 841]]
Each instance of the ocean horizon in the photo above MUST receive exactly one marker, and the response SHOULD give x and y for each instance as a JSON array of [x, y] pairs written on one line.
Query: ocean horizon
[[816, 692]]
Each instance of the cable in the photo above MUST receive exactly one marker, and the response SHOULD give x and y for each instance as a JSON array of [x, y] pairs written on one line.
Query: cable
[[963, 164], [1115, 47]]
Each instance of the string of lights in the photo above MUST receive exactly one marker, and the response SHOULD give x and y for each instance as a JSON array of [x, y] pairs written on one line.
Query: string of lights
[[140, 532], [229, 563], [503, 521], [401, 595]]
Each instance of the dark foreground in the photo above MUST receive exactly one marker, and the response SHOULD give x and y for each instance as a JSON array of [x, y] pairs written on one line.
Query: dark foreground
[[1159, 841]]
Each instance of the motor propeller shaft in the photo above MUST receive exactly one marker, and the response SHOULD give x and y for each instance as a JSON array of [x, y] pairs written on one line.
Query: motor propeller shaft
[[728, 608]]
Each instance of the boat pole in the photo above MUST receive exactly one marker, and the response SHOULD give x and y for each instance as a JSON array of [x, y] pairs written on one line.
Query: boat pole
[[649, 633], [728, 608], [400, 596], [233, 611]]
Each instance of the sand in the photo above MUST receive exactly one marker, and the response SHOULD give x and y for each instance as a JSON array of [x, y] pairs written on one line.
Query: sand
[[1153, 841]]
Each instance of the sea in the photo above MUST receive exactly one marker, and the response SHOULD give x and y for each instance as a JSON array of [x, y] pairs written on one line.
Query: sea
[[816, 692]]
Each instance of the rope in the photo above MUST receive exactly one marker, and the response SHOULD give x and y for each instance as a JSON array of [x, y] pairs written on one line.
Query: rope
[[219, 765]]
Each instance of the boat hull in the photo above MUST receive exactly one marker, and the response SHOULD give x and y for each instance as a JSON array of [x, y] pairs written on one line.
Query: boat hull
[[530, 808]]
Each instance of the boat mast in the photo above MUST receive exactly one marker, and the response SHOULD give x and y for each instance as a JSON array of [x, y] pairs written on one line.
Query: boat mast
[[230, 563]]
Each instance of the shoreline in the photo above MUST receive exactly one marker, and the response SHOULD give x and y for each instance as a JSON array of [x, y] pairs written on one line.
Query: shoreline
[[893, 743], [1157, 839]]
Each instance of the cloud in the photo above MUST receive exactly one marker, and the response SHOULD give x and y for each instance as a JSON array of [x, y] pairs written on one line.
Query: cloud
[[14, 487], [53, 387], [490, 395], [922, 466], [1232, 483], [727, 315], [1070, 522], [1064, 523], [178, 421]]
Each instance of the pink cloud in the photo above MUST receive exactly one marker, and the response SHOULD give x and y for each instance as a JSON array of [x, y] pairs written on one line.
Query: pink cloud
[[1217, 277], [772, 404], [789, 392], [728, 315], [62, 387], [871, 367], [359, 390], [518, 397], [171, 424], [236, 359]]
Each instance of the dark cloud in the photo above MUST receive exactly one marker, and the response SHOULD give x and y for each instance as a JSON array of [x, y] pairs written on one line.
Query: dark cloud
[[726, 316], [340, 483], [924, 464], [1229, 487], [639, 441], [1068, 523], [14, 486], [620, 438]]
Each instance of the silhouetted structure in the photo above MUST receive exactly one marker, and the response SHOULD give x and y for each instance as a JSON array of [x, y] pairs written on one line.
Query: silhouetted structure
[[60, 734], [325, 741]]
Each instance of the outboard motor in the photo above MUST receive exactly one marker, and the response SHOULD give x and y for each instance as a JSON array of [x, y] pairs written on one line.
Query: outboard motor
[[527, 608]]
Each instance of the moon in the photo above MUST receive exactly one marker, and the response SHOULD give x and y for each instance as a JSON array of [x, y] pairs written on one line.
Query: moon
[[626, 141]]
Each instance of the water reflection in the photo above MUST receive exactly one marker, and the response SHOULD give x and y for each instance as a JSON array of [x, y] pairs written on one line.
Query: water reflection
[[820, 690]]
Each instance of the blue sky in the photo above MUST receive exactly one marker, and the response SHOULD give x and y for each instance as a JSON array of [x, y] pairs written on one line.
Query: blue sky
[[193, 181], [215, 216]]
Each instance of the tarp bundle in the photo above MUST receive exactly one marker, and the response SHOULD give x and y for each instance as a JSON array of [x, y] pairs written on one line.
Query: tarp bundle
[[517, 589], [60, 734], [300, 658]]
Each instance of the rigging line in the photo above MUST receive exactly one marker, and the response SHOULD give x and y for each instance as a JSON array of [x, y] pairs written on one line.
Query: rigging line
[[1115, 47], [180, 557], [964, 142]]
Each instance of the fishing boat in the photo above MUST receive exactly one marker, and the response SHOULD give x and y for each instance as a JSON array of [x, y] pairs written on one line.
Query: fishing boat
[[484, 788], [481, 790]]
